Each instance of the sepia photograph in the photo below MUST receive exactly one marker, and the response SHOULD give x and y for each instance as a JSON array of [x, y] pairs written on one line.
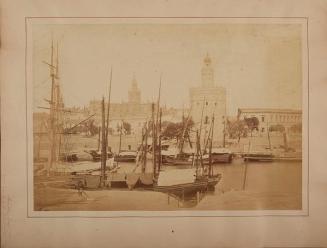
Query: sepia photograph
[[167, 114]]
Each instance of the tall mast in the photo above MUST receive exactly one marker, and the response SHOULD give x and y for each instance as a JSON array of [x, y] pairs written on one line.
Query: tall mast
[[204, 99], [246, 163], [103, 145], [154, 142], [210, 147], [207, 139], [145, 146], [185, 123], [141, 151], [99, 138], [108, 108], [52, 133], [197, 153], [160, 158], [58, 106], [224, 132], [57, 61], [212, 126], [158, 101], [156, 132], [120, 134], [105, 132]]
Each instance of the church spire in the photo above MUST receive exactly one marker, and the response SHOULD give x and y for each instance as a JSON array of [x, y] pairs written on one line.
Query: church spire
[[134, 94]]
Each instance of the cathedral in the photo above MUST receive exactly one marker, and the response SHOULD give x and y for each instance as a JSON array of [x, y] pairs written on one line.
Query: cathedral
[[134, 111], [208, 100]]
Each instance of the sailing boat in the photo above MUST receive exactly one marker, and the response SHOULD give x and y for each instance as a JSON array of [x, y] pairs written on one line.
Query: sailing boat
[[177, 182], [218, 155], [262, 156], [180, 157], [127, 155], [98, 178], [181, 182]]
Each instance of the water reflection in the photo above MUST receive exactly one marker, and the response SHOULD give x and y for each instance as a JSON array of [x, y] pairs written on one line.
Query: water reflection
[[277, 178], [267, 185]]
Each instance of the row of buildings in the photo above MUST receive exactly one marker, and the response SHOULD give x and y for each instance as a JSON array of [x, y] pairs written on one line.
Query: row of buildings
[[206, 100]]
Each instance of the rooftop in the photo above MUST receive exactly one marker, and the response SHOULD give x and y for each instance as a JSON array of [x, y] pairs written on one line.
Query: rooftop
[[268, 110]]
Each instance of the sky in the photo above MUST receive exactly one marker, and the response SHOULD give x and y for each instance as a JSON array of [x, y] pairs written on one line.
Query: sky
[[260, 65]]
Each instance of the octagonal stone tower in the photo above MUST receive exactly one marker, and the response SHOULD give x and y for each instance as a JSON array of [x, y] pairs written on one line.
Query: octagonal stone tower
[[212, 100]]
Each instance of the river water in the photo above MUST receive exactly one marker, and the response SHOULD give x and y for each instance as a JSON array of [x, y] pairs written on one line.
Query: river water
[[249, 185], [244, 186]]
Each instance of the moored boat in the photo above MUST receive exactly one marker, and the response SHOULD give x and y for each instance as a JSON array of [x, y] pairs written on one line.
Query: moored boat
[[219, 155], [182, 182], [259, 156], [126, 156], [96, 155], [179, 159]]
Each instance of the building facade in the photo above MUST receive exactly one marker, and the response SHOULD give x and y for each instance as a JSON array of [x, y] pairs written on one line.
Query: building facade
[[208, 100], [272, 117], [133, 111]]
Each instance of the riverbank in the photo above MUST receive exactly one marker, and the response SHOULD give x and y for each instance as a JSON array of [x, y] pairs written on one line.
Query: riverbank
[[267, 186]]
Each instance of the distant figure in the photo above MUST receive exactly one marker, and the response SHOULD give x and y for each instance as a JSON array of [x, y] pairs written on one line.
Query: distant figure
[[111, 163], [138, 156], [81, 192]]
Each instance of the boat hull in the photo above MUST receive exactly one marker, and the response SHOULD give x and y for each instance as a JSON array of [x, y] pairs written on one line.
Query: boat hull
[[176, 161], [258, 157], [125, 159], [216, 159], [203, 184], [220, 158]]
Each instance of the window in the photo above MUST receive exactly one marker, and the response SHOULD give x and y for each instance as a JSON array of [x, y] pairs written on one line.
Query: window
[[206, 120], [207, 103], [263, 118]]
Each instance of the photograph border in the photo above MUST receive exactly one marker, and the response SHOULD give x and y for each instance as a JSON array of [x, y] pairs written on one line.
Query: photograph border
[[171, 213]]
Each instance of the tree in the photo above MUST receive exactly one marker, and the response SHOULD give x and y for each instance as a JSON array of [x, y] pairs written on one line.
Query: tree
[[124, 128], [171, 130], [89, 128], [252, 123], [175, 130], [127, 127], [236, 129], [93, 129]]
